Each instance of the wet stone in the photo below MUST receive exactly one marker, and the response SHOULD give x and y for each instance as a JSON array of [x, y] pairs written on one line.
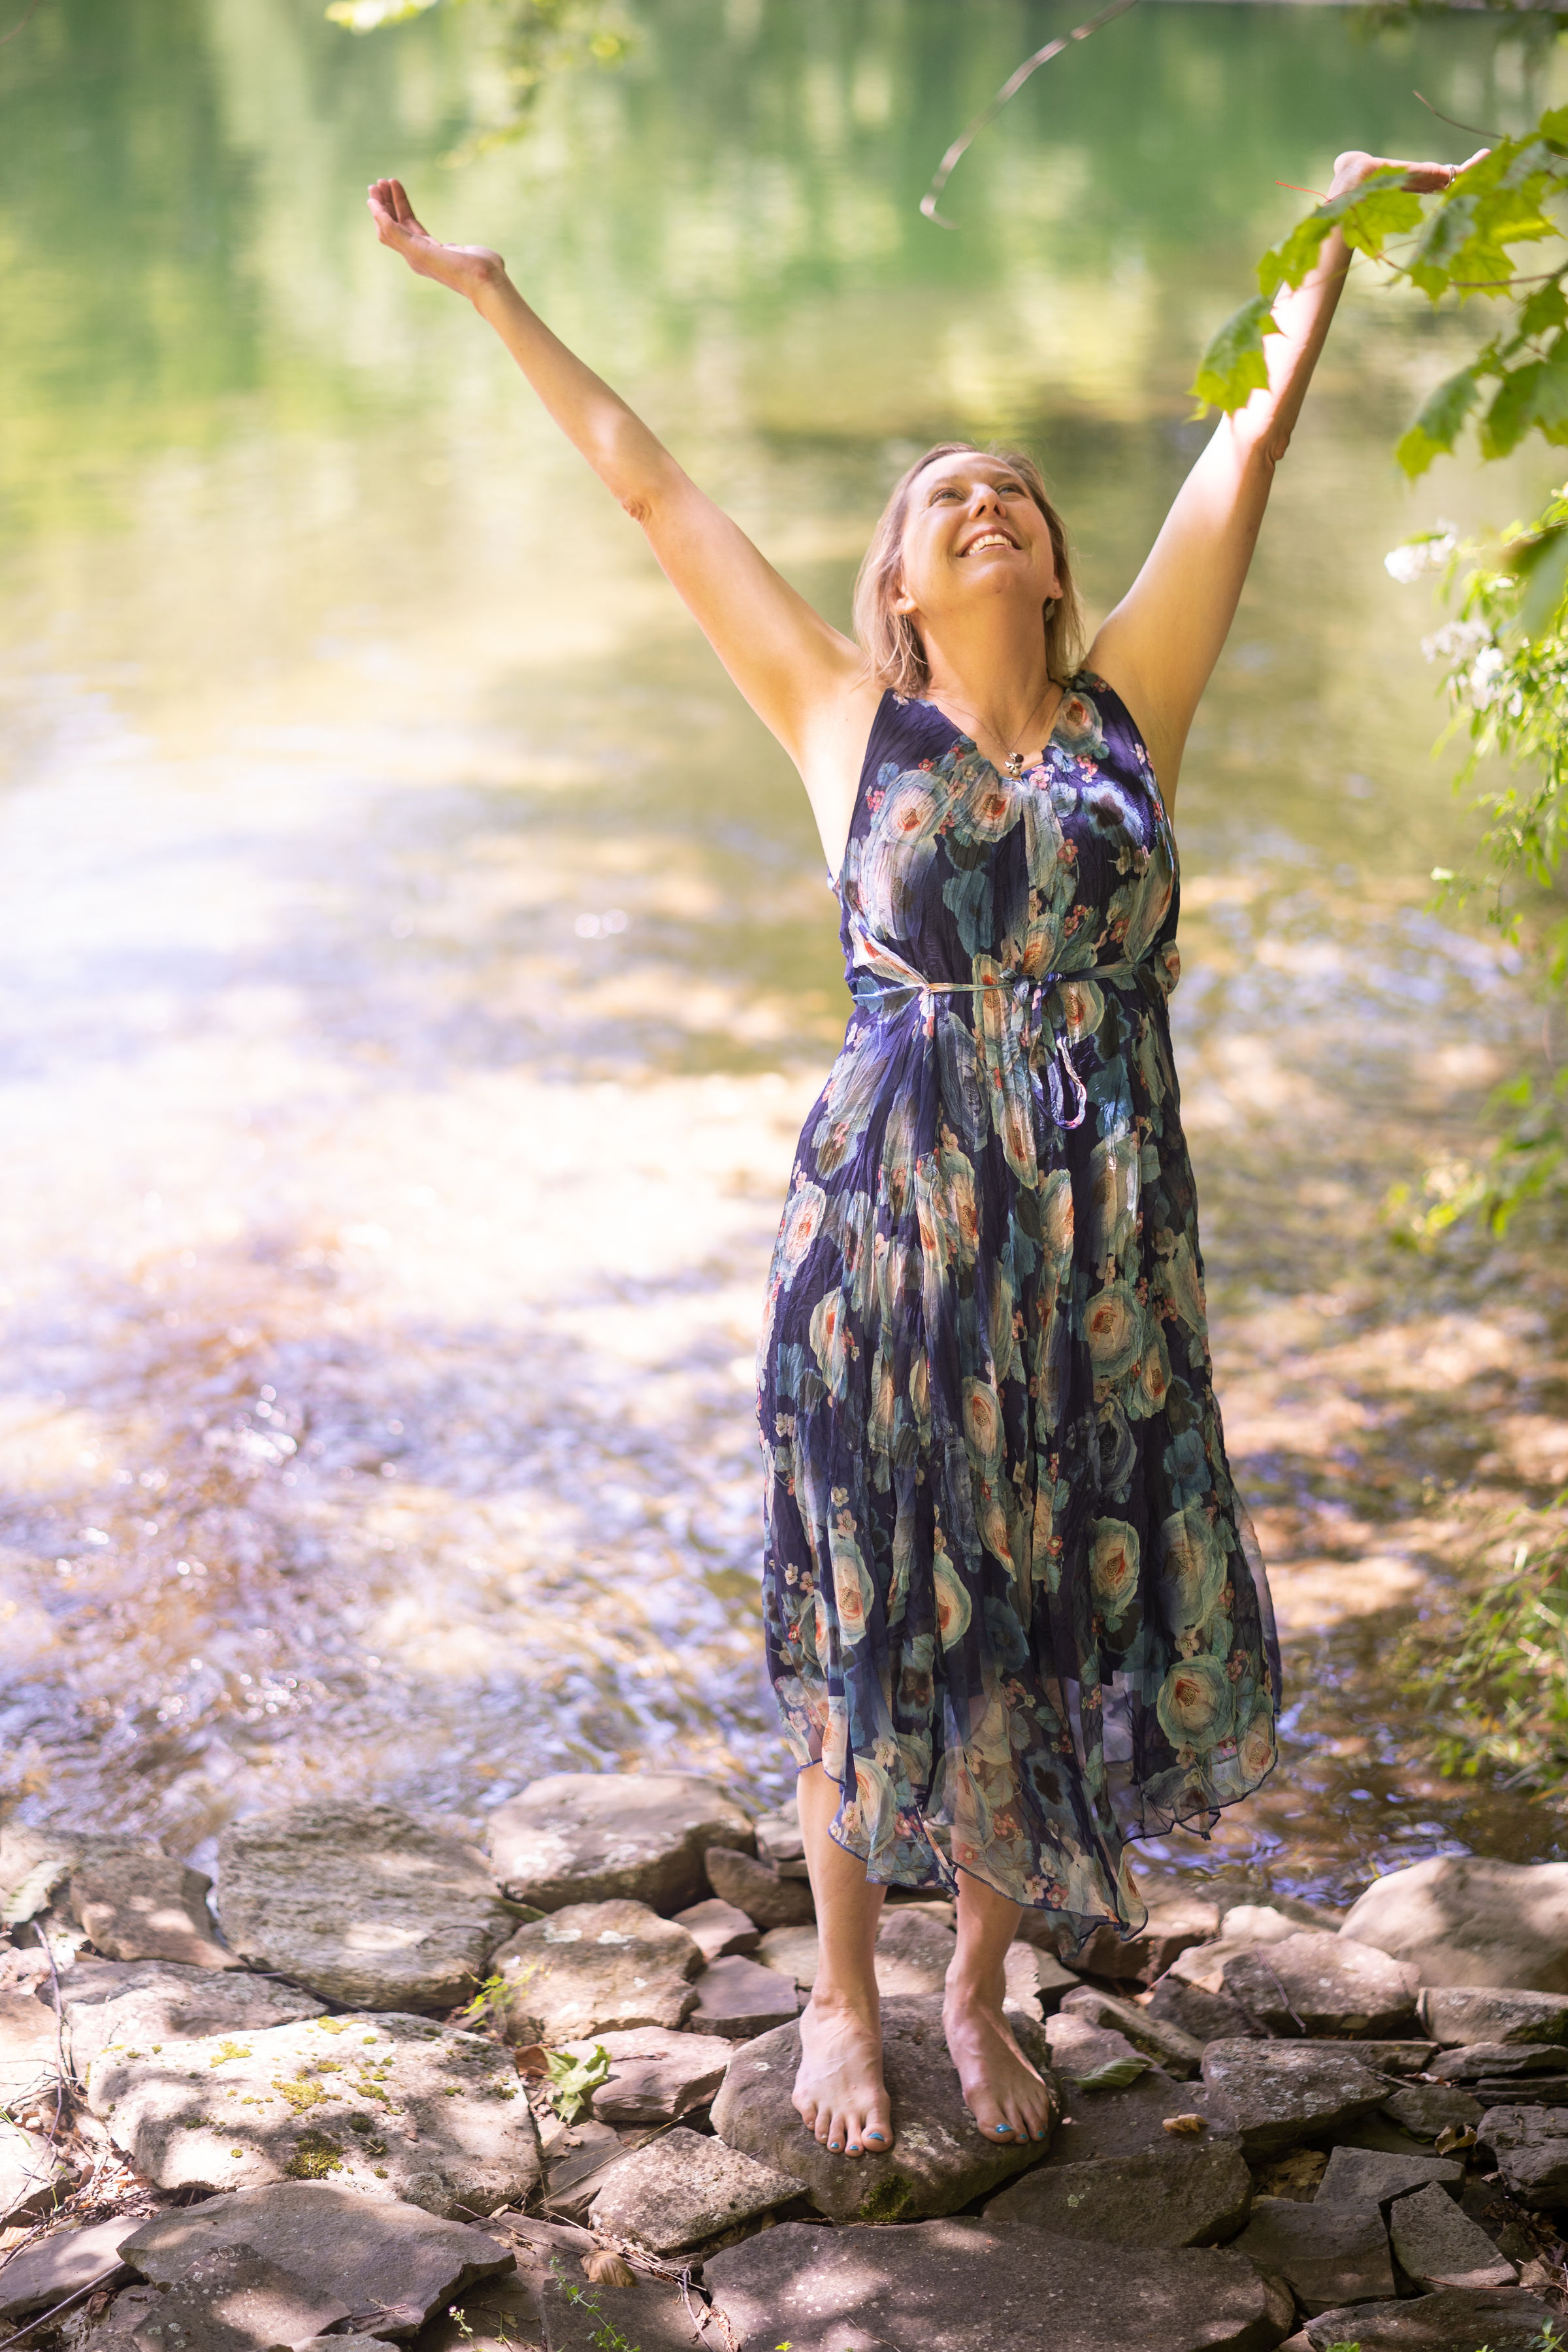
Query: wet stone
[[1456, 2014], [1190, 2192], [966, 2286], [598, 1837], [656, 2076], [146, 1907], [1180, 2054], [597, 1968], [1357, 2174], [390, 2265], [1423, 2109], [145, 2003], [1463, 1920], [1311, 1984], [360, 1903], [1529, 2149], [718, 1929], [1503, 2319], [36, 2277], [33, 2179], [1205, 2016], [389, 2104], [1285, 2092], [685, 2188], [938, 2161], [1437, 2244], [739, 1998], [1327, 2254], [767, 1898]]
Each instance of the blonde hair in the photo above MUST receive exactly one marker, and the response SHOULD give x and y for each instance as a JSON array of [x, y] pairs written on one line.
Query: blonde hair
[[894, 654]]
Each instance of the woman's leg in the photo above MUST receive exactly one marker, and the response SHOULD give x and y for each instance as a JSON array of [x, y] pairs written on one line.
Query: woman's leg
[[839, 2091], [1006, 2096]]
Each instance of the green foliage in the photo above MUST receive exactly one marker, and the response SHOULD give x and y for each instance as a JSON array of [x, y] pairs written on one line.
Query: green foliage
[[1497, 1685], [606, 2337], [573, 2081], [538, 40]]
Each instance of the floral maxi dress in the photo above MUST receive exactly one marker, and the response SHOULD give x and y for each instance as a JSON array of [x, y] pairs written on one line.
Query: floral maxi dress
[[1012, 1603]]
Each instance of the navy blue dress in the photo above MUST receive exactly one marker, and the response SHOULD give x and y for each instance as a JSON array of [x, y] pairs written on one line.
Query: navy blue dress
[[1014, 1604]]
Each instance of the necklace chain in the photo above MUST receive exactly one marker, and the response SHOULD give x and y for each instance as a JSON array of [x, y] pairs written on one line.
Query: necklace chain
[[1013, 762]]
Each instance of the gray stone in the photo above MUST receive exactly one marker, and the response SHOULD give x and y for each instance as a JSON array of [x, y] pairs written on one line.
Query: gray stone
[[965, 2287], [1379, 2132], [767, 1898], [1357, 2175], [598, 1837], [1456, 2014], [792, 1951], [1327, 2254], [685, 2188], [1308, 1983], [1100, 2123], [1246, 1926], [1541, 2090], [138, 1906], [1464, 1920], [35, 1865], [1180, 2054], [360, 1903], [1479, 2062], [1423, 2109], [1205, 2016], [913, 1953], [392, 2265], [1079, 2052], [780, 1840], [718, 1929], [1190, 2192], [1402, 2058], [579, 2163], [233, 2299], [597, 1968], [1048, 1980], [938, 2161], [738, 1998], [1437, 2245], [36, 2277], [656, 2076], [33, 2178], [389, 2104], [1285, 2092], [580, 2315], [1172, 1928], [500, 2315], [1529, 2149], [29, 2052], [1456, 2319], [359, 2344], [144, 2003]]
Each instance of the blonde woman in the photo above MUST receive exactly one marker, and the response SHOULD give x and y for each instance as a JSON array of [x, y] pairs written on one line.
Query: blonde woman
[[1015, 1611]]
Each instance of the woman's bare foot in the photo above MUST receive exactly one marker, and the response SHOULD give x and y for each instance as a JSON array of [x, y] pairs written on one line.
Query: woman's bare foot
[[839, 2093], [1007, 2099]]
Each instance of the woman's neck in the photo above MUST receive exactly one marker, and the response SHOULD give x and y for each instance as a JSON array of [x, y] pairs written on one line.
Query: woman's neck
[[997, 676]]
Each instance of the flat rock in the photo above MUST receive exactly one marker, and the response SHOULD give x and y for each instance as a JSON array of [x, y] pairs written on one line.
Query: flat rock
[[792, 1951], [1205, 2016], [1172, 1928], [913, 1954], [392, 2263], [360, 1903], [1423, 2109], [738, 1998], [1456, 2319], [1246, 1926], [938, 2161], [1437, 2244], [33, 2179], [36, 2277], [1402, 2058], [656, 2076], [500, 2315], [1309, 1983], [597, 1968], [685, 2188], [142, 2004], [1464, 1920], [37, 1862], [1031, 1966], [389, 2104], [1359, 2175], [780, 1840], [1327, 2254], [359, 2344], [1529, 2149], [1190, 2192], [1100, 2123], [718, 1928], [577, 2164], [1285, 2092], [29, 2052], [966, 2286], [1479, 2062], [598, 1837], [1080, 2052], [1456, 2014], [1179, 2054], [232, 2299], [138, 1906], [760, 1890]]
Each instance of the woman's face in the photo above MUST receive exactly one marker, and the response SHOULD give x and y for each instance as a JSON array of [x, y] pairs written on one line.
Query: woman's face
[[973, 533]]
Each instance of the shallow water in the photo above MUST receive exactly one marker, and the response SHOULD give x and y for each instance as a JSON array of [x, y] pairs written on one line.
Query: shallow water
[[418, 962]]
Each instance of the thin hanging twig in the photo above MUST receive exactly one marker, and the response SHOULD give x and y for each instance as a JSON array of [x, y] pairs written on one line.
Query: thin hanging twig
[[1010, 89], [1455, 119], [23, 26]]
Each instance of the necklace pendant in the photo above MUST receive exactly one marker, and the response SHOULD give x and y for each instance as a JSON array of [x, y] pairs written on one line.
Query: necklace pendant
[[1014, 764]]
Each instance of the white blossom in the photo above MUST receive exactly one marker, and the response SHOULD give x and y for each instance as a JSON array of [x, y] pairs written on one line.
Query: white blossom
[[1457, 641], [1427, 552]]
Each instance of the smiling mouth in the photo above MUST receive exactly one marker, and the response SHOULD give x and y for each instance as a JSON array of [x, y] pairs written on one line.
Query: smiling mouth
[[989, 539]]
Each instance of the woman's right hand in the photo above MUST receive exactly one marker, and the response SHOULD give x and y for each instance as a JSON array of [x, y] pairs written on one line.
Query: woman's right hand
[[467, 269]]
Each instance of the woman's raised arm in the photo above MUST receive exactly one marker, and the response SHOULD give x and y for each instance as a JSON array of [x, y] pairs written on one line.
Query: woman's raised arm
[[1159, 645], [802, 677]]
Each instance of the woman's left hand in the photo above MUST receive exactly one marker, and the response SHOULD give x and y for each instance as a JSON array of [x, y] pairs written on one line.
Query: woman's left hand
[[1427, 179]]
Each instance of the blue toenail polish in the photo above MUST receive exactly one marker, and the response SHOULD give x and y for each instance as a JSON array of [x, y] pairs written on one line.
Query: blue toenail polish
[[876, 2134], [854, 2148], [833, 2147]]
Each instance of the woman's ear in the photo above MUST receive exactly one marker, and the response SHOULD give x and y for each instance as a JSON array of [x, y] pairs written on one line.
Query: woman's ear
[[903, 602]]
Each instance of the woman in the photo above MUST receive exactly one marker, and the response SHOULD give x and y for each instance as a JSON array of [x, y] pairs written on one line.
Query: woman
[[1015, 1610]]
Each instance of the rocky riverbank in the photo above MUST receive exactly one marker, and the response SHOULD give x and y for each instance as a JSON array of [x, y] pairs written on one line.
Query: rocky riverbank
[[403, 2090]]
